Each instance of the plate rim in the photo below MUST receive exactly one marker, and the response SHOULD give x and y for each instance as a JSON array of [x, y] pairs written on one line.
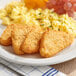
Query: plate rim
[[36, 62]]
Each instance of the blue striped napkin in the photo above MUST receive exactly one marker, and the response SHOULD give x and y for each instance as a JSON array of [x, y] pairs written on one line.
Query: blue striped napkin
[[30, 70]]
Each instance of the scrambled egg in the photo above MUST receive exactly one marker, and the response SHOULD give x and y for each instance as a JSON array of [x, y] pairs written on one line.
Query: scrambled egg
[[17, 12]]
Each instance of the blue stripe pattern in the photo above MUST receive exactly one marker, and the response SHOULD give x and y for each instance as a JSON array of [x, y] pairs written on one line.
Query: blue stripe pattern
[[51, 72], [55, 73], [47, 72]]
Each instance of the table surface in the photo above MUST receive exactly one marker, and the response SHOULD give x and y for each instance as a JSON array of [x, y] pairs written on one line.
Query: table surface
[[68, 68]]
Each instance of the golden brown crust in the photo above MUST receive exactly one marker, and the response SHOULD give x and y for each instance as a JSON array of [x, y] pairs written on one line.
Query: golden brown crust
[[32, 41], [54, 41], [5, 38], [18, 35]]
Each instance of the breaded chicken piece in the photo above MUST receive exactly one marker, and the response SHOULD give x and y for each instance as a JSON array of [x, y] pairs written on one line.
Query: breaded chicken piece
[[32, 41], [5, 38], [54, 41], [18, 35]]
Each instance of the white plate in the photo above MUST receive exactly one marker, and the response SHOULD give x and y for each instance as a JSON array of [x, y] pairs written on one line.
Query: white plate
[[35, 60]]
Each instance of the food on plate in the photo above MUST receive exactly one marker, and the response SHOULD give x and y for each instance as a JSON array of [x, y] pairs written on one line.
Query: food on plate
[[32, 40], [17, 12], [5, 38], [59, 6], [53, 42], [13, 12], [35, 4], [33, 29], [19, 33], [62, 6]]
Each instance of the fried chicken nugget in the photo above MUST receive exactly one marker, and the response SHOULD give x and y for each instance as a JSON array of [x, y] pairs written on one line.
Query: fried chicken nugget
[[5, 38], [54, 41], [32, 41], [18, 35]]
